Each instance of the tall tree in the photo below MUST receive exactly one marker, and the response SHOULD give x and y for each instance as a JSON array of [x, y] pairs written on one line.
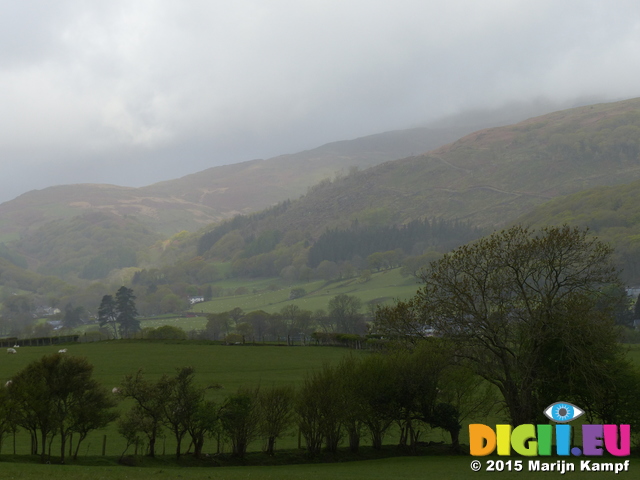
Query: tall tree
[[126, 311], [147, 414], [526, 309], [108, 314], [345, 310]]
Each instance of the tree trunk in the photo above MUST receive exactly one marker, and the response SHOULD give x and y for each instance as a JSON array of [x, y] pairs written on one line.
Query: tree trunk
[[152, 446], [271, 443], [44, 447], [82, 437], [63, 444]]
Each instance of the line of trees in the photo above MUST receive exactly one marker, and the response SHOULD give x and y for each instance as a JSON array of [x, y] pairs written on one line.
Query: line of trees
[[344, 315], [533, 313], [358, 398], [56, 397]]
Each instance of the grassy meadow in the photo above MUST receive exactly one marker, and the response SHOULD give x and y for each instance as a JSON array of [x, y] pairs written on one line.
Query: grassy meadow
[[229, 366], [382, 287], [232, 367]]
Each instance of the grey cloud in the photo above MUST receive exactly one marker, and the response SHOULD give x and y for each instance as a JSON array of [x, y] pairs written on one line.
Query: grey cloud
[[86, 86]]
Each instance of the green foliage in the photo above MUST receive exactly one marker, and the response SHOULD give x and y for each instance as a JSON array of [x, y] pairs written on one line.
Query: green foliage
[[275, 407], [240, 419], [345, 312], [611, 213], [166, 332], [343, 244], [126, 312], [57, 394], [526, 309], [84, 245]]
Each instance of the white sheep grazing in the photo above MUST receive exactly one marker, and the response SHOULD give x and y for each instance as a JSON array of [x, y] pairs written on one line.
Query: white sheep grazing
[[9, 382], [11, 350], [115, 390], [16, 346], [62, 350]]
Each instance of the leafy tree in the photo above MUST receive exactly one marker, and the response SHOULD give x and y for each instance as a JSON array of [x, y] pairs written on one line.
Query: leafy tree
[[56, 394], [108, 314], [259, 320], [239, 418], [525, 308], [345, 310], [217, 324], [276, 414], [147, 415], [321, 410], [7, 416], [182, 402], [166, 332], [72, 315], [126, 311]]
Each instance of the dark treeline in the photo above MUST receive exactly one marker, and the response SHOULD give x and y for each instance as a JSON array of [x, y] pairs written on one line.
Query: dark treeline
[[357, 399], [340, 245], [209, 239]]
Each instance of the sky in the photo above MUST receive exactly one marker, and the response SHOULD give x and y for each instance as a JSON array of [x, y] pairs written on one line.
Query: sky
[[131, 93]]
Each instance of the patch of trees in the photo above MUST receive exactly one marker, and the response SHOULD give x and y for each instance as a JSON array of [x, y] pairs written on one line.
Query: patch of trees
[[415, 390], [114, 258], [344, 316], [239, 222], [119, 313], [85, 244], [12, 256], [533, 313], [415, 237], [55, 396]]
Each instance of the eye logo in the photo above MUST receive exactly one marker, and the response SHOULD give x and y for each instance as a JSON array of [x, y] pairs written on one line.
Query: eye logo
[[563, 412]]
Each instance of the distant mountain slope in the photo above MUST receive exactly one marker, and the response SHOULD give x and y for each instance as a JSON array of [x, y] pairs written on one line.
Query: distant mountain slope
[[611, 213], [88, 245], [489, 177], [195, 200]]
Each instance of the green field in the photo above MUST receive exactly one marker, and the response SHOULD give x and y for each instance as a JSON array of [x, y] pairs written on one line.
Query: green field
[[232, 367], [229, 366], [383, 286]]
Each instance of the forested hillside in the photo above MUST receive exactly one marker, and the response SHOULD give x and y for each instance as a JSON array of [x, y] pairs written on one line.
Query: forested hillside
[[195, 200], [611, 213], [489, 178], [402, 213], [89, 246]]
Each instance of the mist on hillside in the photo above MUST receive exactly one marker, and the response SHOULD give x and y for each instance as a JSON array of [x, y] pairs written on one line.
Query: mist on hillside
[[132, 94]]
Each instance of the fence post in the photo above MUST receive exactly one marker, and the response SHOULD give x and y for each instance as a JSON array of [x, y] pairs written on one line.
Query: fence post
[[104, 445]]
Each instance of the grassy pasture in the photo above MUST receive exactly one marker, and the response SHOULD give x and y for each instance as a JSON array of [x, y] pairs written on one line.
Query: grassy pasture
[[386, 285], [229, 366]]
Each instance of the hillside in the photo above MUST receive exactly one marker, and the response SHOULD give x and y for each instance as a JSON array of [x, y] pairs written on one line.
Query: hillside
[[485, 179], [89, 245], [611, 213], [489, 177], [193, 201]]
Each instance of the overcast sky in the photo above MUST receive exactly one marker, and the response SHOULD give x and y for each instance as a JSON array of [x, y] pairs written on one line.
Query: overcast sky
[[133, 92]]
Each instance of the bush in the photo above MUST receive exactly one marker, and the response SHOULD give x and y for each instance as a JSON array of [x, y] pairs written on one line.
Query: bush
[[166, 332]]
